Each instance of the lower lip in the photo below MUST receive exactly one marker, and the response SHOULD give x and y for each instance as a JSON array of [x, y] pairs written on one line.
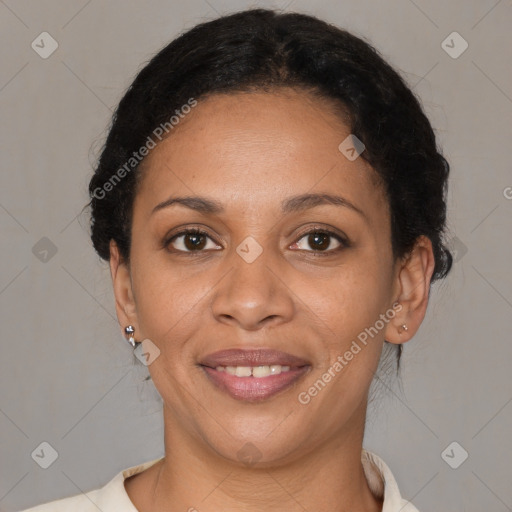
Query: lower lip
[[253, 389]]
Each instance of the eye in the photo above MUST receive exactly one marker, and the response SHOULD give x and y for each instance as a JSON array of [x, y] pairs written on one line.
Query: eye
[[197, 240], [191, 240], [321, 240]]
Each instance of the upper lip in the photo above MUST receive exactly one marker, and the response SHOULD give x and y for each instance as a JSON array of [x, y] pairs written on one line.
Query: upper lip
[[252, 357]]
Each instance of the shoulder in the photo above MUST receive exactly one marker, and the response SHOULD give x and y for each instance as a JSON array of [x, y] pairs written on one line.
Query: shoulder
[[383, 484], [109, 498]]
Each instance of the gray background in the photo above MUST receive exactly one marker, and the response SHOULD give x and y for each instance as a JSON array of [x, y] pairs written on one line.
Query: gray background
[[67, 375]]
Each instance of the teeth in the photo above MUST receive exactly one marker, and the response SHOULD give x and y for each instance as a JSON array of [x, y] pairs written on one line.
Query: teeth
[[261, 371], [243, 371], [255, 371]]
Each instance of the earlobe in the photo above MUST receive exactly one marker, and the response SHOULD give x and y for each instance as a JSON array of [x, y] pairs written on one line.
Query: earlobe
[[122, 285], [414, 277]]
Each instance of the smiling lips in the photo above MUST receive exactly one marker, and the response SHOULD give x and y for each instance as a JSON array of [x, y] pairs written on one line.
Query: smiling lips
[[253, 375]]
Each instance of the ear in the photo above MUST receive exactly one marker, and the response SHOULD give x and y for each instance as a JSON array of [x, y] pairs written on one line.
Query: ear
[[413, 284], [122, 284]]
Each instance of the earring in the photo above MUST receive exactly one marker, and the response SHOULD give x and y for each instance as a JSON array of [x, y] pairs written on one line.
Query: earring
[[402, 328], [129, 330]]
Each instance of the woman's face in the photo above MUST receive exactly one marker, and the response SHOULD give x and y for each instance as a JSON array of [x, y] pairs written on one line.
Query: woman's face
[[258, 281]]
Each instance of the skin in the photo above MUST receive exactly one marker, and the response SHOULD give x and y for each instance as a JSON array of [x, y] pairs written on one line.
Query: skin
[[250, 151]]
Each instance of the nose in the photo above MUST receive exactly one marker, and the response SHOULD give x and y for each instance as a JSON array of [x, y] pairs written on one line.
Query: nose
[[253, 295]]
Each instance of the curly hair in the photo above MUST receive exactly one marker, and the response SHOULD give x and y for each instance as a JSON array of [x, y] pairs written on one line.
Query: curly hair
[[262, 49]]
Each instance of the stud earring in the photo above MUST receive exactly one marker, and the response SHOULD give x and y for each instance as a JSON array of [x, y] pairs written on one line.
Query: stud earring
[[402, 328], [129, 331]]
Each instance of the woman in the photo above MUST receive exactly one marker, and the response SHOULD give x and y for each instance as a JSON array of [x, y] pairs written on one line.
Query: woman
[[271, 202]]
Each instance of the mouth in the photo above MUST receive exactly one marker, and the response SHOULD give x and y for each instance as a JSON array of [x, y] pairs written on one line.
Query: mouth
[[253, 375]]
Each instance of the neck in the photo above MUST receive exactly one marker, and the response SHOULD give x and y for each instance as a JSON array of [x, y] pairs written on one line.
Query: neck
[[190, 477]]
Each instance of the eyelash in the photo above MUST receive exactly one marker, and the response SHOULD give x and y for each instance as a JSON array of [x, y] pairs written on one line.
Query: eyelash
[[317, 230]]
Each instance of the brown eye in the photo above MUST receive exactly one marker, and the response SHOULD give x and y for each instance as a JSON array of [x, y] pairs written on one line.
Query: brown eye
[[191, 240], [320, 241]]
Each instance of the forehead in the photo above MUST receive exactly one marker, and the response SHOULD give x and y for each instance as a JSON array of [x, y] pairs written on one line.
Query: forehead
[[255, 149]]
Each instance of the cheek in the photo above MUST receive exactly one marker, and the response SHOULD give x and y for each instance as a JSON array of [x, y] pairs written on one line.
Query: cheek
[[350, 303], [168, 301], [352, 297]]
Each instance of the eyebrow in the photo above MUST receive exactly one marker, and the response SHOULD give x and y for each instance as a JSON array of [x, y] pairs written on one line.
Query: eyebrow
[[292, 204]]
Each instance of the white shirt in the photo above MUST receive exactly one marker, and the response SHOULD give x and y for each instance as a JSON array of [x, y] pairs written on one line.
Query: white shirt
[[112, 497]]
